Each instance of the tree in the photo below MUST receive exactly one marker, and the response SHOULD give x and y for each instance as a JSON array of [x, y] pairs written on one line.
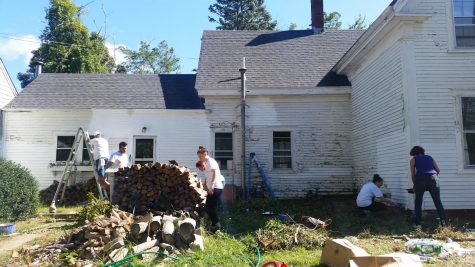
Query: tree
[[241, 15], [66, 45], [146, 60], [360, 23], [292, 26], [332, 20]]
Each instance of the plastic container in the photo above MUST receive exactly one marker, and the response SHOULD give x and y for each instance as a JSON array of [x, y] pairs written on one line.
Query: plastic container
[[8, 228], [423, 247]]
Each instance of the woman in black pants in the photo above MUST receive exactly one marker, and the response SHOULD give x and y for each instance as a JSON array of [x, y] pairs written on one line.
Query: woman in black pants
[[214, 185], [424, 171]]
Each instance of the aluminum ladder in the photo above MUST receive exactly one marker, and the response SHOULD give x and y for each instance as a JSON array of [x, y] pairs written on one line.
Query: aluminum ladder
[[68, 169], [253, 159]]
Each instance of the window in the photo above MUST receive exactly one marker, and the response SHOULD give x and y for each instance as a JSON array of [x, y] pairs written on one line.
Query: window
[[464, 18], [468, 118], [144, 150], [64, 145], [223, 150], [282, 153]]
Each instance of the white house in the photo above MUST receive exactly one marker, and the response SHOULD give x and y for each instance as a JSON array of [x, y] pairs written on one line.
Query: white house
[[7, 93], [413, 75], [324, 110], [160, 117]]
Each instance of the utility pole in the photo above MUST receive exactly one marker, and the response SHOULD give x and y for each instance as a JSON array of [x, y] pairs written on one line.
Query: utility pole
[[243, 126]]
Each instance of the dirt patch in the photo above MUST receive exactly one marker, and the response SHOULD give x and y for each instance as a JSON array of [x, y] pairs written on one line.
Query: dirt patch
[[15, 242]]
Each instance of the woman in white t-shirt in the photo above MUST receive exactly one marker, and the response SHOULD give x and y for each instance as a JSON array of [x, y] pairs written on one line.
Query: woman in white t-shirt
[[214, 185]]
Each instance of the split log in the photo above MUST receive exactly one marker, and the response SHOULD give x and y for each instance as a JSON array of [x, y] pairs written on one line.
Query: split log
[[114, 244], [118, 254], [198, 243], [138, 228], [187, 230], [168, 229], [145, 246], [156, 224]]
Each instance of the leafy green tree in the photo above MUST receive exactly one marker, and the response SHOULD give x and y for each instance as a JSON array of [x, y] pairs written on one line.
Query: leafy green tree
[[66, 45], [147, 60], [241, 15], [292, 26], [332, 20], [360, 23]]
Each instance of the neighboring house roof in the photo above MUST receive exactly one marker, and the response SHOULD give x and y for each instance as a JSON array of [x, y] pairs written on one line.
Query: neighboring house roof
[[108, 91], [274, 59]]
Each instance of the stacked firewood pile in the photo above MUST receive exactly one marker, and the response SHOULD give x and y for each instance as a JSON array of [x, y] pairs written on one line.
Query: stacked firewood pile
[[106, 237], [74, 194], [152, 187]]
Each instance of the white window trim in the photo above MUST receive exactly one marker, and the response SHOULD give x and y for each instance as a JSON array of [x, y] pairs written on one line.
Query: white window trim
[[453, 48], [459, 136], [79, 157], [292, 150], [213, 150], [154, 159]]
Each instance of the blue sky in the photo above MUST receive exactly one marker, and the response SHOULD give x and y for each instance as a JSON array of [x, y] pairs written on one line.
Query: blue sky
[[180, 23]]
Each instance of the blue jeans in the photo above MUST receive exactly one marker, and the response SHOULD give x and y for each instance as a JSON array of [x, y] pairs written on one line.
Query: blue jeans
[[101, 171], [212, 206], [427, 182]]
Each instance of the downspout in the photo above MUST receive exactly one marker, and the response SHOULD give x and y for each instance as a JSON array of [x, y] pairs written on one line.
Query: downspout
[[243, 126]]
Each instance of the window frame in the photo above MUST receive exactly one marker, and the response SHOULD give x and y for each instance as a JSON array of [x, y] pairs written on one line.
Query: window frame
[[292, 163], [232, 150], [154, 159], [454, 27], [80, 153], [464, 148]]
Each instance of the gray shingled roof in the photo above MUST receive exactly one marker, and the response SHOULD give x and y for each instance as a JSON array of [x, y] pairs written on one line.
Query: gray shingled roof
[[274, 59], [101, 91]]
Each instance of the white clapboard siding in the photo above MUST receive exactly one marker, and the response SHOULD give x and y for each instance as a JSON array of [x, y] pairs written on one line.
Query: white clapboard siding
[[31, 135], [378, 137], [440, 73], [320, 131]]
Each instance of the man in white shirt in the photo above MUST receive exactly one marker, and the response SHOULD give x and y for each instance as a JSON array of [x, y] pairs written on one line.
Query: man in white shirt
[[371, 198], [101, 155], [120, 158]]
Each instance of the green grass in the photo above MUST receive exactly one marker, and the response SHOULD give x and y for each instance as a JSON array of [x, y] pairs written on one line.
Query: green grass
[[236, 244]]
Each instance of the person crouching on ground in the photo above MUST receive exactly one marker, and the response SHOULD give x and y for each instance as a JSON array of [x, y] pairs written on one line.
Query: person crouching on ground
[[371, 198], [214, 185]]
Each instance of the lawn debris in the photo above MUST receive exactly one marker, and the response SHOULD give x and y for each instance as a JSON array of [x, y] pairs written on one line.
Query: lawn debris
[[111, 238], [279, 236]]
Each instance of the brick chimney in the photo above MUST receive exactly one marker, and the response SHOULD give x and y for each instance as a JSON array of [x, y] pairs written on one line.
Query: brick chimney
[[318, 20]]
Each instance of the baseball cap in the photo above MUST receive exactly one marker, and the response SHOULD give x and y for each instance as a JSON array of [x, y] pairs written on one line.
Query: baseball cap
[[96, 133]]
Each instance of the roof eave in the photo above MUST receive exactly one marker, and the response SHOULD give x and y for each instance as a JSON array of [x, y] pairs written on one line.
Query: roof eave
[[386, 22]]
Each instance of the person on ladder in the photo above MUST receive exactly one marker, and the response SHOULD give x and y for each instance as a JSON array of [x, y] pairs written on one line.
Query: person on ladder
[[101, 156]]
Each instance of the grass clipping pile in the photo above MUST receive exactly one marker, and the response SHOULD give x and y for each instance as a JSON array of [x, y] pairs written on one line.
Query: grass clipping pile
[[278, 235]]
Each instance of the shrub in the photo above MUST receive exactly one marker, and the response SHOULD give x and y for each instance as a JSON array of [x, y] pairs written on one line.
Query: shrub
[[95, 207], [18, 191]]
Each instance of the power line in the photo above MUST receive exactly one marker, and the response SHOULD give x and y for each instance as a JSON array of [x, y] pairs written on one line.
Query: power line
[[13, 37]]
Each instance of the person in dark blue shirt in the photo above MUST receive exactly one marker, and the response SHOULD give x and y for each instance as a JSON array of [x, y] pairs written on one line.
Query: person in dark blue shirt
[[424, 171]]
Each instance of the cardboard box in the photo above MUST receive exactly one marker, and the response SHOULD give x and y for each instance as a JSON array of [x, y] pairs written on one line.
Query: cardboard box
[[338, 252], [387, 260]]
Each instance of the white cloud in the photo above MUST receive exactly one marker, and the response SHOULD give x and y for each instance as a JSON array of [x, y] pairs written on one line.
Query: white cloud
[[19, 48], [115, 52]]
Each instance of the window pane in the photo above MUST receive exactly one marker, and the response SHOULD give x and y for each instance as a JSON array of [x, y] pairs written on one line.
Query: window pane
[[62, 154], [223, 154], [278, 153], [223, 141], [65, 141], [464, 21], [468, 113], [282, 134], [142, 162], [283, 163], [470, 148], [143, 148]]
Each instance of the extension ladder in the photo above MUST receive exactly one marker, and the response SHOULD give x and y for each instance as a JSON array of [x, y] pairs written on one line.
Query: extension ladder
[[68, 169], [253, 159]]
